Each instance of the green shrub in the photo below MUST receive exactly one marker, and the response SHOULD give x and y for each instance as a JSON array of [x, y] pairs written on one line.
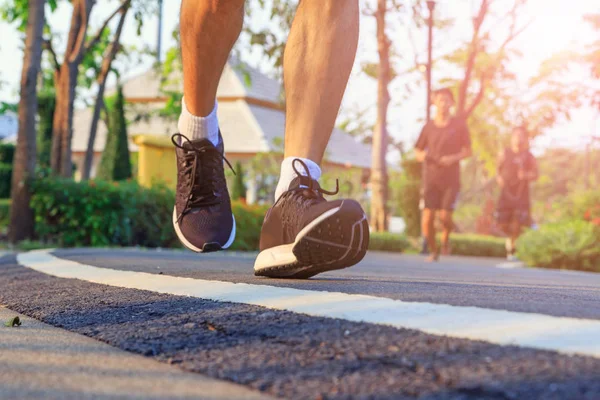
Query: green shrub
[[46, 107], [99, 213], [150, 212], [576, 206], [5, 180], [115, 164], [408, 198], [385, 241], [248, 219], [570, 245], [477, 245], [239, 187], [406, 195], [4, 212], [466, 216], [7, 153], [461, 244], [583, 202]]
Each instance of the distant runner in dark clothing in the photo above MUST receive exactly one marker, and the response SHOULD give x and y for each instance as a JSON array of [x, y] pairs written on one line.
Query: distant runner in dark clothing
[[517, 167], [443, 143]]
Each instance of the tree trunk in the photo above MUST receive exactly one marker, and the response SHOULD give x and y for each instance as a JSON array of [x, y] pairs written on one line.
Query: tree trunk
[[474, 50], [379, 176], [62, 128], [66, 81], [21, 215], [102, 77]]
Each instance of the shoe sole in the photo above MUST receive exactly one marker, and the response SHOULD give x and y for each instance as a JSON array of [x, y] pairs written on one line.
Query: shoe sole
[[320, 247], [208, 247]]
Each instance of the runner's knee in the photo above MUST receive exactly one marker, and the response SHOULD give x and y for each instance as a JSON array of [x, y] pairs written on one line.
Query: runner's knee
[[446, 220], [428, 220], [227, 13], [329, 8], [222, 5]]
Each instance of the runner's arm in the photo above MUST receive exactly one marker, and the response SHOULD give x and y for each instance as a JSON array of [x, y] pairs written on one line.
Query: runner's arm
[[532, 173], [421, 146], [420, 155], [465, 151]]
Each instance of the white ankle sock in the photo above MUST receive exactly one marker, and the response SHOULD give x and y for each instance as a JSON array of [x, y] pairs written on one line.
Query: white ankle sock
[[199, 127], [509, 246], [288, 174]]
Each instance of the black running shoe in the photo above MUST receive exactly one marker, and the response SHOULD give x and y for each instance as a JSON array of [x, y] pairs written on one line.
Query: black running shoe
[[202, 215], [303, 234]]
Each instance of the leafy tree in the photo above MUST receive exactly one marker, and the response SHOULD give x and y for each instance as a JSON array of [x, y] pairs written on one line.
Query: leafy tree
[[46, 107], [487, 96], [264, 171], [171, 72], [385, 73], [66, 82], [66, 76], [7, 156], [269, 40], [239, 187], [561, 68], [407, 195], [484, 68], [115, 164], [102, 65], [354, 121], [21, 215]]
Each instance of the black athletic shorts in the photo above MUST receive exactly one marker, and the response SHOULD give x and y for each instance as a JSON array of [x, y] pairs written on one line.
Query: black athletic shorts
[[440, 197], [508, 215]]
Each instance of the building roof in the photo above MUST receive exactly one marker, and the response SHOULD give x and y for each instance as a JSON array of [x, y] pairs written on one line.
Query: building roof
[[249, 111], [238, 80]]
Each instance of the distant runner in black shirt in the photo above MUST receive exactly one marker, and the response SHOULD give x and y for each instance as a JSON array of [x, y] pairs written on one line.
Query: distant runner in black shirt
[[517, 167], [443, 143]]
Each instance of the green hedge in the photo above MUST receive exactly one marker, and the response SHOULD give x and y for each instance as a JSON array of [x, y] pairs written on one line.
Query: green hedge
[[461, 244], [115, 164], [101, 213], [406, 195], [7, 153], [477, 245], [249, 221], [384, 241], [562, 245], [98, 213], [5, 180], [4, 213]]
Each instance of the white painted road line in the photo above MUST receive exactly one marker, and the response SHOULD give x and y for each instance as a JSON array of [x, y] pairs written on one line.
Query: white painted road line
[[511, 265], [566, 335]]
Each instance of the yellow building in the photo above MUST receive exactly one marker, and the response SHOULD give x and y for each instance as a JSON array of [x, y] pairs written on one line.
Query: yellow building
[[251, 118]]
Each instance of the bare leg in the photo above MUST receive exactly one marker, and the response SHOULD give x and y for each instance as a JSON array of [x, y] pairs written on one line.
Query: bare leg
[[505, 227], [447, 223], [209, 29], [515, 232], [428, 226], [317, 63]]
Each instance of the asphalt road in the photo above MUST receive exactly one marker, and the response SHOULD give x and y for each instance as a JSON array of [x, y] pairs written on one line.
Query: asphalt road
[[307, 356]]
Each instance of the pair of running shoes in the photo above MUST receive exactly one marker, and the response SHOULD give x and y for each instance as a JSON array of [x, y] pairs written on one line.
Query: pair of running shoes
[[303, 234]]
